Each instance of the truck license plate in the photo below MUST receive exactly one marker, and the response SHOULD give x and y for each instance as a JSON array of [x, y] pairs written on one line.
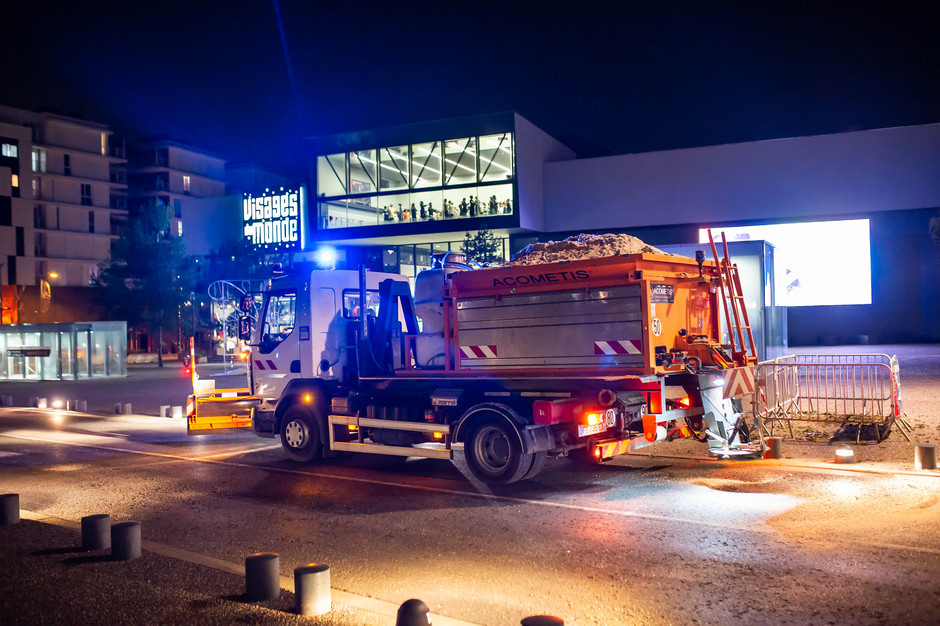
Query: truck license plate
[[584, 431]]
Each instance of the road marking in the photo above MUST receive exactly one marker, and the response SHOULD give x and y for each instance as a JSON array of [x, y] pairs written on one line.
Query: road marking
[[458, 492], [400, 485], [346, 598]]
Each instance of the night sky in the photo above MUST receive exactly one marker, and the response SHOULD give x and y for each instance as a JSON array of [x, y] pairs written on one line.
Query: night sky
[[604, 77]]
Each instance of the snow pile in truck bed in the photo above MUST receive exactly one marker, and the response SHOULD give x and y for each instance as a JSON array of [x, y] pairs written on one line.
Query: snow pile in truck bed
[[582, 247]]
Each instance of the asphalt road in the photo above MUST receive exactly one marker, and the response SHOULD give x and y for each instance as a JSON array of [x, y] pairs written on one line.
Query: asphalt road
[[639, 540]]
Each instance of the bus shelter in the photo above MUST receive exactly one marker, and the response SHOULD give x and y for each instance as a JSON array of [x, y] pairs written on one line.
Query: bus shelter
[[63, 351]]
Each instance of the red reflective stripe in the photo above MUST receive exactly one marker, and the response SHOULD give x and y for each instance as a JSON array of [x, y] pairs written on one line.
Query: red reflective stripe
[[271, 365], [259, 364], [478, 352]]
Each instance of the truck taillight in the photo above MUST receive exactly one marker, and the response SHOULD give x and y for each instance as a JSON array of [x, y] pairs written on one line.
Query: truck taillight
[[308, 398], [684, 402], [594, 418]]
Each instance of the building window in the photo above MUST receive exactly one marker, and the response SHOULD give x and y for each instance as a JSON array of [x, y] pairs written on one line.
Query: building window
[[15, 180], [66, 165], [39, 248], [104, 144], [91, 221], [9, 150], [37, 187], [39, 160], [331, 175], [393, 168], [86, 194], [187, 183], [39, 216], [363, 172], [177, 207], [460, 161], [179, 228]]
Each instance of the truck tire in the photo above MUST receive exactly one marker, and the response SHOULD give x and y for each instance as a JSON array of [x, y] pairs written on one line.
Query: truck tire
[[300, 434], [494, 454], [538, 463]]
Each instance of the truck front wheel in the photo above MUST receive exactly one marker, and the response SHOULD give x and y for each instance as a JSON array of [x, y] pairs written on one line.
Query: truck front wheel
[[300, 435], [494, 453]]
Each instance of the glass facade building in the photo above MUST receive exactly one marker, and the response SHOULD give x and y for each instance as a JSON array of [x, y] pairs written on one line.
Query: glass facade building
[[63, 351], [447, 179]]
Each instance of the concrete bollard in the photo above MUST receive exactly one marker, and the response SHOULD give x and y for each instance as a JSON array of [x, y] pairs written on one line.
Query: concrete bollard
[[413, 612], [128, 408], [925, 456], [118, 408], [164, 410], [96, 532], [125, 541], [9, 509], [80, 405], [262, 576], [543, 620], [312, 589], [6, 400], [39, 403], [774, 448], [177, 413]]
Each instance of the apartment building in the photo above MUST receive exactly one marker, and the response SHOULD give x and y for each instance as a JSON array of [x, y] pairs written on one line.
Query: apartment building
[[173, 174], [63, 198]]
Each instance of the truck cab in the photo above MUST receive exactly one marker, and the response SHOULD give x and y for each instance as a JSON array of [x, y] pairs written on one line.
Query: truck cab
[[304, 331]]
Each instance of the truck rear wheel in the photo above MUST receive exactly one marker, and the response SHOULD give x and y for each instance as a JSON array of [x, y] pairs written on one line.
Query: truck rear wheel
[[300, 435], [494, 453]]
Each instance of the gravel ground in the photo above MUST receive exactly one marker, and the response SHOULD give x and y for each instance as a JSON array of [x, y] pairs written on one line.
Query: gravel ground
[[48, 579]]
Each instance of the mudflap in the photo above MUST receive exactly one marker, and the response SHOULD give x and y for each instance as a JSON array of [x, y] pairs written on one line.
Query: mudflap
[[222, 411], [725, 424]]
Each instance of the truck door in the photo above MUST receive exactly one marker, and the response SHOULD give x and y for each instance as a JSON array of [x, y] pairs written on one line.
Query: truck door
[[277, 358]]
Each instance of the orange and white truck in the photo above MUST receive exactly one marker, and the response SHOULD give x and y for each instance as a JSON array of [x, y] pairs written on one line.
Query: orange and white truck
[[507, 366]]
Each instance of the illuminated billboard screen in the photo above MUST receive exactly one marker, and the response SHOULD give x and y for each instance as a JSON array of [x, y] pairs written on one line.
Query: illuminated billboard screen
[[815, 263], [274, 220]]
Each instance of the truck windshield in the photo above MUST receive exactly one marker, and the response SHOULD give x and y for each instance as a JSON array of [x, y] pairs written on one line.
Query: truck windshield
[[279, 317]]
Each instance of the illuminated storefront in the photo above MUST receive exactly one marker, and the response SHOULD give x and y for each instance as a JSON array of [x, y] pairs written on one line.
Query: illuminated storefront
[[446, 179]]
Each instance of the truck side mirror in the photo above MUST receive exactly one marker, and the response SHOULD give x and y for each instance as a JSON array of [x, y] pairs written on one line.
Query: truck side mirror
[[244, 328]]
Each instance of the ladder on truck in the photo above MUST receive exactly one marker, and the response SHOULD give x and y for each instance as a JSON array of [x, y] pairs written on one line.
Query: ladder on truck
[[739, 326]]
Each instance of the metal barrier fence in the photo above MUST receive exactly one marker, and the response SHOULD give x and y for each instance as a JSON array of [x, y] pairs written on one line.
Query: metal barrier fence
[[857, 389]]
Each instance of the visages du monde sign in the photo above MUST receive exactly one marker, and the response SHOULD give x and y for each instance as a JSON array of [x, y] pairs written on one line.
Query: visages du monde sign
[[273, 220]]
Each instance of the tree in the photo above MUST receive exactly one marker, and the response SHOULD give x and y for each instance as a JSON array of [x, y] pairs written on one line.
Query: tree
[[149, 276], [483, 247]]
